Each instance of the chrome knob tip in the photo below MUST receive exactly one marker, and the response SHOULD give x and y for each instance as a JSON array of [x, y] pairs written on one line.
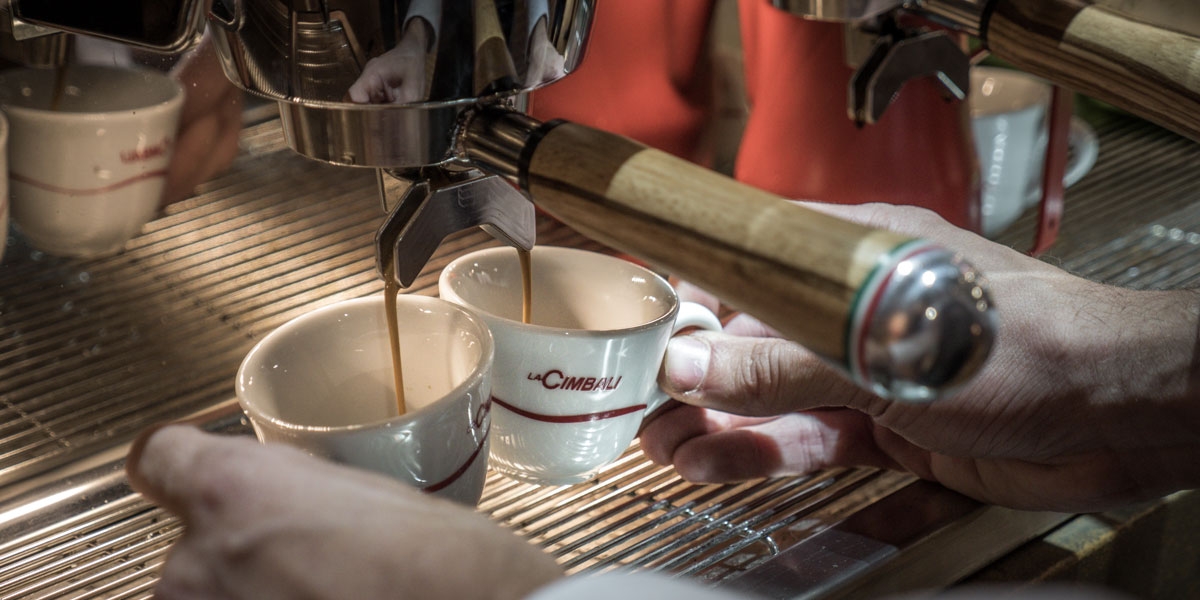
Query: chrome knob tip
[[926, 326]]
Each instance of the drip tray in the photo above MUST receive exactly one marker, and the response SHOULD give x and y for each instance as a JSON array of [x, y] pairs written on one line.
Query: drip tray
[[92, 352]]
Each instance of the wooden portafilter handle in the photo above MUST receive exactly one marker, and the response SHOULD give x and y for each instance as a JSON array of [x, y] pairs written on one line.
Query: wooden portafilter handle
[[1148, 70], [903, 317]]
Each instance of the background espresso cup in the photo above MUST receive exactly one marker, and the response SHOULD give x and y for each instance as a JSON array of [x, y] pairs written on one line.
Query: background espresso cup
[[323, 382], [1008, 117], [570, 389], [86, 175]]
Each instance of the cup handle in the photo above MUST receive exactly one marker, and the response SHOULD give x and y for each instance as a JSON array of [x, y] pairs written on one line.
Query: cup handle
[[1084, 151], [691, 314]]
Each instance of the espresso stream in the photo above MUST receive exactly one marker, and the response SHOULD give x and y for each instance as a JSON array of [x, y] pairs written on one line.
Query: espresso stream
[[391, 290], [526, 285]]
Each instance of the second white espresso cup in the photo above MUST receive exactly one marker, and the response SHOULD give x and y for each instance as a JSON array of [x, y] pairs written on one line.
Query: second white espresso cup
[[86, 174], [570, 389], [323, 382], [1008, 117]]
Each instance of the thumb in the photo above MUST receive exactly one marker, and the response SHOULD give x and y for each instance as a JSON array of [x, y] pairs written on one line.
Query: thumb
[[183, 469], [755, 376]]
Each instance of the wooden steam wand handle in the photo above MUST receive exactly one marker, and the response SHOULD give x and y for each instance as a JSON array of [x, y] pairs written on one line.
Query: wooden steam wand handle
[[903, 317]]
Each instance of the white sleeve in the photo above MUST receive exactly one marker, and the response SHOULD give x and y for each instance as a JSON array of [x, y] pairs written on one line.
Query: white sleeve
[[630, 586], [430, 10]]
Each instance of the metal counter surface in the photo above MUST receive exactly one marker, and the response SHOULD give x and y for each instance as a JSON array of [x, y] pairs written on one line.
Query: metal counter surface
[[91, 352]]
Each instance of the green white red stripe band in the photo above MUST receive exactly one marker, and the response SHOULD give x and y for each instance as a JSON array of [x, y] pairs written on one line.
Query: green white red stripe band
[[866, 301]]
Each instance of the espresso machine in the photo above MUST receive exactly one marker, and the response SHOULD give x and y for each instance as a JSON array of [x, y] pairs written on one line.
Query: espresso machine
[[430, 94], [207, 281]]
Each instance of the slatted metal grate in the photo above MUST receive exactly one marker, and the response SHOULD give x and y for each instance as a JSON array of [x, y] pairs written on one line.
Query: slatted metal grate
[[92, 352]]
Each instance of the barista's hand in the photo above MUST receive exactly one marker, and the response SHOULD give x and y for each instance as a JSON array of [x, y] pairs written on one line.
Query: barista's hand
[[268, 522], [398, 75], [1086, 402], [209, 124]]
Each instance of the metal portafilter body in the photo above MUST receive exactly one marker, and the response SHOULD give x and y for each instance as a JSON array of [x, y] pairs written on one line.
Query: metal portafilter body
[[430, 94]]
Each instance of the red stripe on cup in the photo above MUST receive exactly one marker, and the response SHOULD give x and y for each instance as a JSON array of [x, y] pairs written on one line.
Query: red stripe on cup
[[584, 418], [49, 187], [447, 482]]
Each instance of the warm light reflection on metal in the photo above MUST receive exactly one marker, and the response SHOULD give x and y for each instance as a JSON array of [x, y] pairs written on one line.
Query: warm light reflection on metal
[[19, 512]]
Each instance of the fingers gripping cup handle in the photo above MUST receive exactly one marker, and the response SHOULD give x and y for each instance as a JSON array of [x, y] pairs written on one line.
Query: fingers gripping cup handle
[[691, 316]]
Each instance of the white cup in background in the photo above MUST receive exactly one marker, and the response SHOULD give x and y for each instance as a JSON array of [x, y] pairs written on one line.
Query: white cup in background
[[571, 389], [86, 177], [1008, 115], [323, 382]]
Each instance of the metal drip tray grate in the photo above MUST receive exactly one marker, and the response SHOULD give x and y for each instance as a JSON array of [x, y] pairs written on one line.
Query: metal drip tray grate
[[640, 515], [92, 352]]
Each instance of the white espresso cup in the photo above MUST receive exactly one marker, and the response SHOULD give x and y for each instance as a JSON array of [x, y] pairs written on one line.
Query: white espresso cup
[[1008, 116], [570, 389], [323, 382], [87, 174]]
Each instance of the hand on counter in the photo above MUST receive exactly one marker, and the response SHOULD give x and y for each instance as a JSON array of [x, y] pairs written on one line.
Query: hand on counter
[[272, 522], [1088, 401]]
